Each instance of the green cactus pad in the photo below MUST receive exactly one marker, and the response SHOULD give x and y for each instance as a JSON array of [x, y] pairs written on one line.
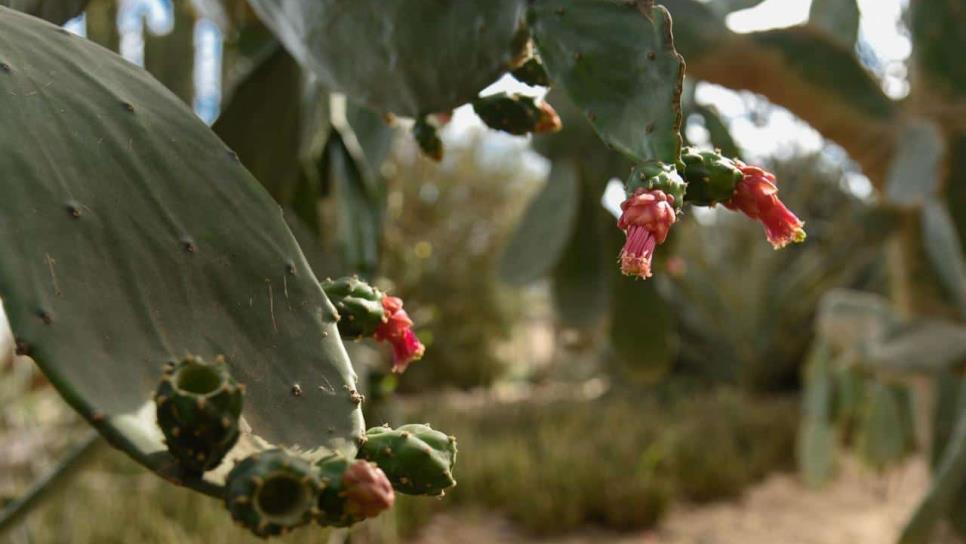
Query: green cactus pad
[[272, 492], [359, 305], [55, 11], [131, 236], [711, 177], [417, 459], [616, 60], [516, 114], [657, 175], [198, 406], [532, 72], [408, 57], [427, 137]]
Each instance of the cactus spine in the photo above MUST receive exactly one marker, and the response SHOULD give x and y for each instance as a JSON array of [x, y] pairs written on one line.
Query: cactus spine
[[272, 492], [198, 406], [417, 459]]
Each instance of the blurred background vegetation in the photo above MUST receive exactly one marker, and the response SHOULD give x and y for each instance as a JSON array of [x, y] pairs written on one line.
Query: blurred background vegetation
[[615, 399]]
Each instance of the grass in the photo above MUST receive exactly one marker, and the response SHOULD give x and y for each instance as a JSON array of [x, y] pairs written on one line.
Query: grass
[[615, 462]]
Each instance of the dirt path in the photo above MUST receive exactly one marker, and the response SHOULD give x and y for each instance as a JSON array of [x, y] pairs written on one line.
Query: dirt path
[[858, 507]]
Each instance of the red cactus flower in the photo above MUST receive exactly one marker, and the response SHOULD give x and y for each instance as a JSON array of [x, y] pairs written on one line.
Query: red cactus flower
[[646, 219], [367, 490], [756, 195], [396, 328]]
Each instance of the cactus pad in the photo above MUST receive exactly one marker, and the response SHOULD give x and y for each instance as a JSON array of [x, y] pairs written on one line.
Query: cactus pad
[[616, 60], [408, 57], [131, 236], [711, 177], [657, 175], [272, 492], [359, 306], [198, 406], [417, 459]]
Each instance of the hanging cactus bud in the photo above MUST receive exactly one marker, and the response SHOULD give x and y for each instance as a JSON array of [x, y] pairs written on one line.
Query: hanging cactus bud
[[272, 492], [655, 193], [517, 114], [366, 311], [417, 459], [757, 197], [532, 72], [426, 134], [198, 406], [711, 177], [352, 490], [358, 303]]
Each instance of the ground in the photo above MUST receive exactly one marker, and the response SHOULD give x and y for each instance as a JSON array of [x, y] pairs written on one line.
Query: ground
[[858, 507]]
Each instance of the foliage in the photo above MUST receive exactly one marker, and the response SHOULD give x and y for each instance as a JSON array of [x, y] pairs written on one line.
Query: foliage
[[616, 461], [449, 224]]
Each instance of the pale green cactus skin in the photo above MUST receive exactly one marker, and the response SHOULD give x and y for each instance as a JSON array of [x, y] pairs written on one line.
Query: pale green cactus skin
[[417, 459], [711, 177], [198, 406], [653, 175], [272, 492], [359, 306]]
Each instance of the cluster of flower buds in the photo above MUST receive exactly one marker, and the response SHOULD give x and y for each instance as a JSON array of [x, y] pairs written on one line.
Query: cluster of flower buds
[[656, 193]]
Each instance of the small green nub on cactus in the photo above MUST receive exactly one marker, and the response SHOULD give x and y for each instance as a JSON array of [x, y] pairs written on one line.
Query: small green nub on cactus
[[352, 490], [359, 306], [417, 459], [517, 114], [427, 136], [711, 176], [198, 406], [532, 72], [272, 492], [652, 175]]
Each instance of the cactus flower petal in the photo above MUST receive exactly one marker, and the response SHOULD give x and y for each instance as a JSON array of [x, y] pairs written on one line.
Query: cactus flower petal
[[396, 329], [756, 195], [646, 219]]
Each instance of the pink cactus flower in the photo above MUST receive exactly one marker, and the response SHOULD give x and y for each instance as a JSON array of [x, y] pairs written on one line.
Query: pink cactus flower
[[367, 490], [396, 328], [646, 219], [756, 195]]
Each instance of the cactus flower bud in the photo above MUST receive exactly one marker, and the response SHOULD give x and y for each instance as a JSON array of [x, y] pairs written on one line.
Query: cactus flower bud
[[396, 329], [646, 219], [353, 490], [757, 197], [517, 114], [367, 490], [367, 311]]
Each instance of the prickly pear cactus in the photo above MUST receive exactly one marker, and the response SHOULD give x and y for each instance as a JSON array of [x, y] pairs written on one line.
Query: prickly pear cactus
[[426, 134], [417, 459], [517, 114], [712, 178], [353, 490], [616, 60], [131, 236], [198, 406], [657, 175], [358, 303], [55, 11], [272, 492], [408, 57], [532, 72]]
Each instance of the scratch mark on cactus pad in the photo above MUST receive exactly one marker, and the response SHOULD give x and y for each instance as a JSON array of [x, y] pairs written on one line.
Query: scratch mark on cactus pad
[[271, 306], [327, 386], [53, 276]]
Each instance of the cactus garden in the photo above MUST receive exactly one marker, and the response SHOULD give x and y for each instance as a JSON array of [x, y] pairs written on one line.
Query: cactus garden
[[383, 271]]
